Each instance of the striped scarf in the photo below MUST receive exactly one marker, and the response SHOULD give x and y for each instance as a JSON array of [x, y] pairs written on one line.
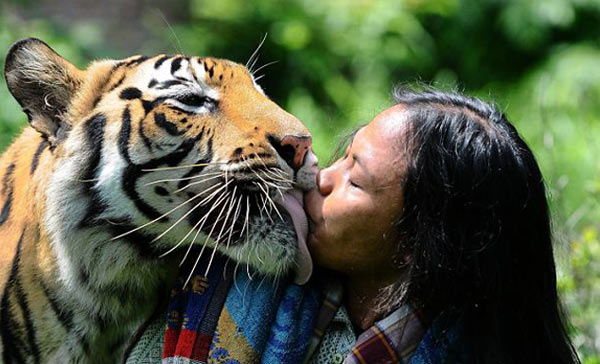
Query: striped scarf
[[216, 319]]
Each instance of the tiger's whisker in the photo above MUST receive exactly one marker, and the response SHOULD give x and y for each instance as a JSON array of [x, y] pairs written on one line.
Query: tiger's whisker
[[182, 179], [275, 207], [248, 272], [264, 202], [263, 180], [264, 66], [203, 246], [182, 167], [222, 228], [203, 220], [211, 259], [235, 271], [271, 172], [235, 217], [251, 59], [186, 235], [183, 217], [258, 256], [194, 267], [247, 223], [232, 200], [260, 209], [206, 242], [91, 180], [158, 218], [197, 182]]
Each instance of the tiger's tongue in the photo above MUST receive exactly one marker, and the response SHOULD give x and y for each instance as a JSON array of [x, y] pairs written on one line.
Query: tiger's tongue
[[293, 203]]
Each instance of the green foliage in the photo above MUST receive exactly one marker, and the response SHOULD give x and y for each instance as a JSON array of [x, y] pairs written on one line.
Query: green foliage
[[339, 59]]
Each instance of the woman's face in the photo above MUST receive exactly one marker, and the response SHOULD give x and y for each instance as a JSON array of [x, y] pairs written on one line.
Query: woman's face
[[358, 198]]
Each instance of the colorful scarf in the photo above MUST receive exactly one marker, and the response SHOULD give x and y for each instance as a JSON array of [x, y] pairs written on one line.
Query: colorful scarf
[[222, 320], [391, 340]]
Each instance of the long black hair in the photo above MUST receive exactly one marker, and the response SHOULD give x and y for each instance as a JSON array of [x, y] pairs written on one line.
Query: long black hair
[[476, 231]]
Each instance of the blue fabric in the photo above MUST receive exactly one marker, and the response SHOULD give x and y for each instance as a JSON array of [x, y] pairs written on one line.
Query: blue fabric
[[291, 331], [275, 322], [440, 345]]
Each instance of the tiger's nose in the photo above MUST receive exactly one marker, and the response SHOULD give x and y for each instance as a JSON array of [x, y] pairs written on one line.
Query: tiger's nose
[[293, 149]]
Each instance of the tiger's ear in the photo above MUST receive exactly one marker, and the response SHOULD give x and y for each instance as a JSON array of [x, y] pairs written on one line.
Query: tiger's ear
[[44, 84]]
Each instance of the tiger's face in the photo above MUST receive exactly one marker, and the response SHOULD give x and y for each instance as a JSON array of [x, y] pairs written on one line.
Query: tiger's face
[[166, 152]]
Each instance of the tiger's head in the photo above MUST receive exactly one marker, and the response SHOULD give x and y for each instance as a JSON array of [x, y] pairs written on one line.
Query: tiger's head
[[164, 152]]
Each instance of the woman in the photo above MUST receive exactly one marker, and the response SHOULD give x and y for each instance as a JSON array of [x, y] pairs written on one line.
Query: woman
[[436, 220]]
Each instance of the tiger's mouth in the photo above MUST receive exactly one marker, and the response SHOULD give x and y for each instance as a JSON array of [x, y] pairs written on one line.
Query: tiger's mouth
[[252, 214]]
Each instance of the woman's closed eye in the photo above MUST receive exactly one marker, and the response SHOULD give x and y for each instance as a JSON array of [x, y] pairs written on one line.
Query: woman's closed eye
[[354, 184]]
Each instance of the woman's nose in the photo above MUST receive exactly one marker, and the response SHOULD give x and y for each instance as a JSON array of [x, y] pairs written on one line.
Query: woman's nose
[[325, 181]]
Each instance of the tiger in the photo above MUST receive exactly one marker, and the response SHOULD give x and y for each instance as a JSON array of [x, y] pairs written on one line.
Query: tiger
[[122, 168]]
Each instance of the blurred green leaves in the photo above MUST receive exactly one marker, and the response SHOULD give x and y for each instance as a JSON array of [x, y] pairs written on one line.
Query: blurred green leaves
[[339, 59]]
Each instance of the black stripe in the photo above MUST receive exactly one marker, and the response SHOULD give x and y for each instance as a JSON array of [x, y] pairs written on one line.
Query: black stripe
[[160, 61], [172, 159], [85, 345], [29, 328], [132, 171], [152, 83], [94, 131], [208, 156], [142, 134], [130, 93], [36, 156], [124, 136], [7, 191], [178, 109], [162, 122], [138, 241], [5, 214], [7, 176], [97, 101], [108, 79], [84, 277], [63, 316], [150, 105], [167, 84], [159, 190], [175, 65], [137, 61], [11, 343], [119, 83]]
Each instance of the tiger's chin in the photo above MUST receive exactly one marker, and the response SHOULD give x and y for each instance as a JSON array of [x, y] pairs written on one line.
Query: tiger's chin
[[270, 247], [269, 241]]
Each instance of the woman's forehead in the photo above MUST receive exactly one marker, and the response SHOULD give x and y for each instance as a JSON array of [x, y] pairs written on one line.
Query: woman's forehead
[[376, 144], [385, 131]]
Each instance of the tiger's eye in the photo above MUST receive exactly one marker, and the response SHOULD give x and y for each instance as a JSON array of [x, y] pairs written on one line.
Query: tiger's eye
[[193, 100]]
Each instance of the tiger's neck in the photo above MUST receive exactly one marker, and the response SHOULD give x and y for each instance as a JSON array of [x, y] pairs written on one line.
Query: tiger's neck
[[101, 290]]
